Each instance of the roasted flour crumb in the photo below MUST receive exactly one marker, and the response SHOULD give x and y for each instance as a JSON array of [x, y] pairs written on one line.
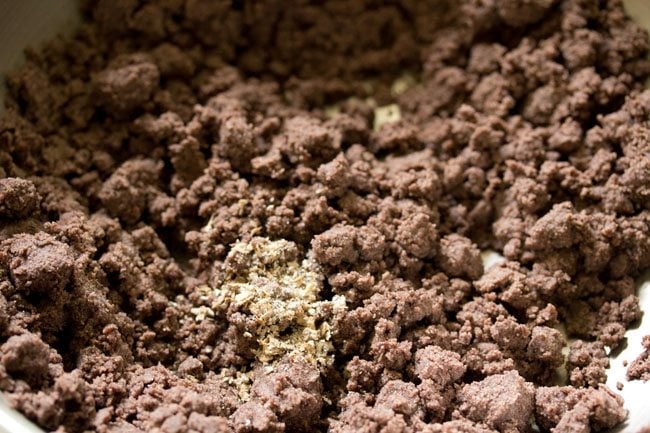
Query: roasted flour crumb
[[639, 369], [259, 217]]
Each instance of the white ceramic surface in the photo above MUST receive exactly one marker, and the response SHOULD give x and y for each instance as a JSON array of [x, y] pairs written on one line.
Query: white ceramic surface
[[30, 22], [26, 23]]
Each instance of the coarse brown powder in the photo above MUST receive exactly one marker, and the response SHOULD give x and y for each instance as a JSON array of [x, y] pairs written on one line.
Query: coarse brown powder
[[259, 217]]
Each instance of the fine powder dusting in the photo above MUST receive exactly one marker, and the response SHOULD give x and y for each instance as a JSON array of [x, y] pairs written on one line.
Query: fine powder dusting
[[267, 216]]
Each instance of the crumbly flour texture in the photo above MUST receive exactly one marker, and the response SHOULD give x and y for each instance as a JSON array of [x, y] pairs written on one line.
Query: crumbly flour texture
[[265, 216]]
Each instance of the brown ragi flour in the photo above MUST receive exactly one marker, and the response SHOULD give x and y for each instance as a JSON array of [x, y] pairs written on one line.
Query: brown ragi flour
[[266, 216], [640, 367]]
